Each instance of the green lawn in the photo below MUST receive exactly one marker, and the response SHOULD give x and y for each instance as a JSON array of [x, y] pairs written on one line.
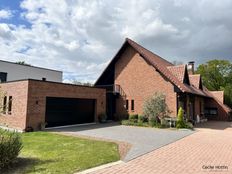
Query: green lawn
[[49, 153]]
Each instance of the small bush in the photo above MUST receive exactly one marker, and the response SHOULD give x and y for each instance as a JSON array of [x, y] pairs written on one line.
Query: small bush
[[133, 117], [10, 146], [180, 119], [133, 120], [131, 123], [152, 121], [125, 122], [142, 119], [189, 125], [102, 117]]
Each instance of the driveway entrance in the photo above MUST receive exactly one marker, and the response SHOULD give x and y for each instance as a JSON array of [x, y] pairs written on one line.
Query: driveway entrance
[[142, 140]]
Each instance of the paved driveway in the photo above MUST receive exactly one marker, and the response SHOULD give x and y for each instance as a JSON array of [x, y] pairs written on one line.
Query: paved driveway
[[209, 150], [143, 140]]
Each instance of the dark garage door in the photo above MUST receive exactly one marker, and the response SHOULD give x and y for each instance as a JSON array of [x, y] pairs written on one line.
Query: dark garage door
[[68, 111]]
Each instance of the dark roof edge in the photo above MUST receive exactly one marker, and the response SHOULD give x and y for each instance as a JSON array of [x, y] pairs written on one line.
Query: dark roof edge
[[123, 45], [61, 83], [31, 66]]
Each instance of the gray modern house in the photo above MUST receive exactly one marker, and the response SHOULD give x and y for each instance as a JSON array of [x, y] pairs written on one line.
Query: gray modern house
[[10, 71]]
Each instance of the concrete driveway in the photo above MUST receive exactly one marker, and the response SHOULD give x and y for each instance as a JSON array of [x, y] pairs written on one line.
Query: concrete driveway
[[142, 140]]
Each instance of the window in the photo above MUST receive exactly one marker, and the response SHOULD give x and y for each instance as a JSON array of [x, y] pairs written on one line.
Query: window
[[132, 105], [3, 77], [4, 105], [44, 79], [211, 111], [127, 105], [10, 105]]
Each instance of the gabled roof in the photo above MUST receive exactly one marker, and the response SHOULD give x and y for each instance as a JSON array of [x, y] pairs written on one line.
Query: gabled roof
[[161, 65], [195, 80], [224, 106]]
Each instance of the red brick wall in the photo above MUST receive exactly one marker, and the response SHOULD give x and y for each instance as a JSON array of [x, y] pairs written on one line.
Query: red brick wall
[[19, 91], [139, 81], [38, 91]]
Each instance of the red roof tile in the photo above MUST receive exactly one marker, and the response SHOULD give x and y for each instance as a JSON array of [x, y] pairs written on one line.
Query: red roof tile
[[195, 80], [178, 71]]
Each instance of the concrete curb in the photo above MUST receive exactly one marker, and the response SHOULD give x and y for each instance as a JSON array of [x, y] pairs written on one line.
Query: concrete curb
[[100, 167]]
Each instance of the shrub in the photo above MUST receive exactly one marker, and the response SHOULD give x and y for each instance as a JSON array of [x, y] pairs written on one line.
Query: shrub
[[132, 123], [189, 125], [133, 117], [125, 122], [102, 117], [142, 118], [180, 119], [10, 146], [155, 107], [152, 121]]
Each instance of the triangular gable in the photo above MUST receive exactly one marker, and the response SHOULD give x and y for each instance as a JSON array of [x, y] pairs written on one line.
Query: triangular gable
[[161, 65], [196, 81], [181, 72]]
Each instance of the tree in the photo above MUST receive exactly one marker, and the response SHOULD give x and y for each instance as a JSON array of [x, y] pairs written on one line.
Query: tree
[[217, 75], [155, 107], [76, 82], [22, 63]]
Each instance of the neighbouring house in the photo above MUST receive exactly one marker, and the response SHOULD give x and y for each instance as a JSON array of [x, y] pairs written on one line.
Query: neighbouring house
[[10, 71], [135, 73]]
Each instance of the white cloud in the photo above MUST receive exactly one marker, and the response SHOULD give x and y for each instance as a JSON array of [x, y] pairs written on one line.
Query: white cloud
[[5, 14], [80, 37]]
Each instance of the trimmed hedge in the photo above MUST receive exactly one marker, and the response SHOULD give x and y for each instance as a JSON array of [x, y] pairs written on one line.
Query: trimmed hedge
[[10, 146]]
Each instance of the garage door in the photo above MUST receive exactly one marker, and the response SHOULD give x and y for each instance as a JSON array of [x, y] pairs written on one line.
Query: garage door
[[68, 111]]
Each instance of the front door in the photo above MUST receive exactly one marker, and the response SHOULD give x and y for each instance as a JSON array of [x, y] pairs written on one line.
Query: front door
[[110, 105]]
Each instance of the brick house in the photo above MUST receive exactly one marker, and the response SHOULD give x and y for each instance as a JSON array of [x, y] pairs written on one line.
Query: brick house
[[135, 73]]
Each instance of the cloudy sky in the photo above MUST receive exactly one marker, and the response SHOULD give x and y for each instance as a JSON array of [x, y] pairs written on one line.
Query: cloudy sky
[[80, 37]]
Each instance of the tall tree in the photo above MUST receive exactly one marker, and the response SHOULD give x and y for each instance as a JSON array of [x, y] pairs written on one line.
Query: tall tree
[[217, 75]]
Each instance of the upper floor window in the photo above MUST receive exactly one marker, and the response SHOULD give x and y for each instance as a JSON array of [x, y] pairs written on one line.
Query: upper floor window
[[3, 77]]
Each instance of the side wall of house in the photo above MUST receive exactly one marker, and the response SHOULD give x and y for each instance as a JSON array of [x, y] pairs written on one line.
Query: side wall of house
[[19, 92], [39, 90], [139, 81], [222, 115]]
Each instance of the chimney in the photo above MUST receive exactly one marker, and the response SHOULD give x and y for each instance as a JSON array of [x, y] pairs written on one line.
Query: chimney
[[191, 67]]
